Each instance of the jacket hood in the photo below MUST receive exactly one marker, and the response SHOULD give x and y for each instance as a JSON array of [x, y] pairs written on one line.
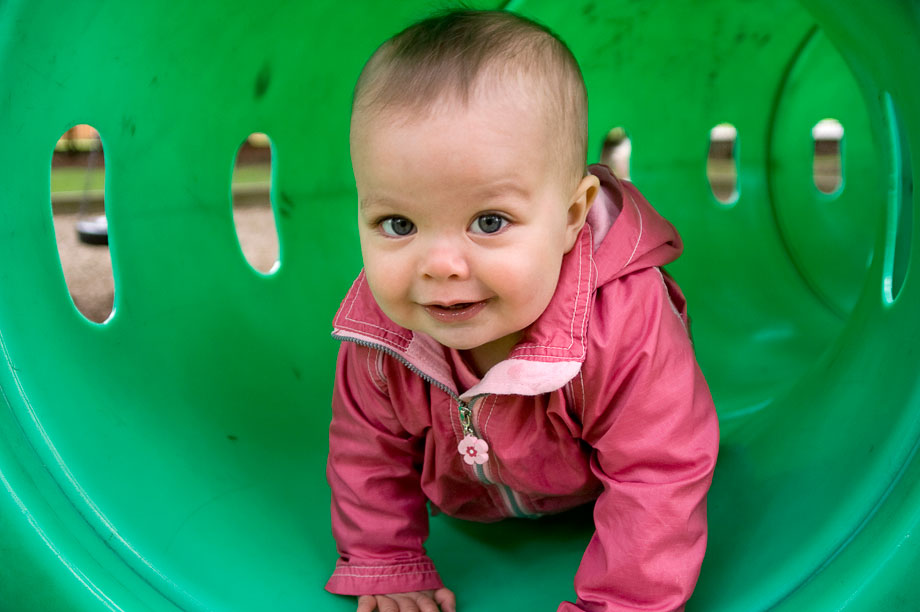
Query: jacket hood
[[623, 234], [629, 234]]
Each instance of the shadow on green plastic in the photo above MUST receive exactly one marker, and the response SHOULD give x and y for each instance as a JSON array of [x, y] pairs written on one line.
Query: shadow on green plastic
[[899, 227]]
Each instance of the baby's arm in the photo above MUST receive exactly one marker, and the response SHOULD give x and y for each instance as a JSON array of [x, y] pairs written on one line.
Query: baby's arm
[[417, 601], [655, 433], [379, 513]]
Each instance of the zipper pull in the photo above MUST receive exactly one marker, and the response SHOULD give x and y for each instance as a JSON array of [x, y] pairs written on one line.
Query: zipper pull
[[472, 448]]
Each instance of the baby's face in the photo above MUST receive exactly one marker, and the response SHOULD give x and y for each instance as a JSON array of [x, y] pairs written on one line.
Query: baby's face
[[464, 217]]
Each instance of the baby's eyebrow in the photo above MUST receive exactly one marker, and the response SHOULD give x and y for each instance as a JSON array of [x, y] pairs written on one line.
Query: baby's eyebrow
[[500, 189], [484, 192], [369, 201]]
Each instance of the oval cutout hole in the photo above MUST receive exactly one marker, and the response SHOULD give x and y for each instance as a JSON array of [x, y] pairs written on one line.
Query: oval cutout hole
[[827, 169], [722, 163], [253, 216], [616, 152], [80, 227], [900, 217]]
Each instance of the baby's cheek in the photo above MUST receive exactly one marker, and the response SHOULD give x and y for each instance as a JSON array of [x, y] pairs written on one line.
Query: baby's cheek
[[384, 288], [529, 286]]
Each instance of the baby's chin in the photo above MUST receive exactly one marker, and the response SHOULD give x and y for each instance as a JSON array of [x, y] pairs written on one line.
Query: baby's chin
[[461, 339], [462, 346], [502, 344], [459, 344]]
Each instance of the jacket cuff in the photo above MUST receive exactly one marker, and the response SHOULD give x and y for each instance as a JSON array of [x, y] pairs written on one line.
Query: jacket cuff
[[380, 579]]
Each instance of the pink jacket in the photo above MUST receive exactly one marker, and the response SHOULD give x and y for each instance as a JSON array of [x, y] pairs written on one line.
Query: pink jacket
[[602, 399]]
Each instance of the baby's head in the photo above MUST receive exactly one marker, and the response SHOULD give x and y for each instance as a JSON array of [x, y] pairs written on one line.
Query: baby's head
[[468, 141], [449, 61]]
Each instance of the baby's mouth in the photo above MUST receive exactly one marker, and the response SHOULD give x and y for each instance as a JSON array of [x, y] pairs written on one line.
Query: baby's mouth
[[459, 311], [458, 306]]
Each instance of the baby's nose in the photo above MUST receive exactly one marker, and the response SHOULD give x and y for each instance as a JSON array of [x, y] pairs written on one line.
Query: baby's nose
[[444, 260]]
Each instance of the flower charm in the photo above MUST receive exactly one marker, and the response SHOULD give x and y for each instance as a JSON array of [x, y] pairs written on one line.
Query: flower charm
[[474, 450]]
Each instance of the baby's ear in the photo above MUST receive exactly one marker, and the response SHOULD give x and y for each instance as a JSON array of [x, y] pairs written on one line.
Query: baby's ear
[[579, 205]]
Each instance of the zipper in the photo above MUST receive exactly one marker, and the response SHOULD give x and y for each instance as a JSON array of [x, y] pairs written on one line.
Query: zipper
[[508, 493], [467, 419], [410, 367]]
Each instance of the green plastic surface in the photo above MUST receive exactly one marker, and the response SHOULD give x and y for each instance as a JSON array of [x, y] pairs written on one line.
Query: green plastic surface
[[173, 457]]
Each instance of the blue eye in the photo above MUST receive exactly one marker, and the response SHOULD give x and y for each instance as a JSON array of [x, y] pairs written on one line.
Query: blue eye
[[397, 226], [488, 224]]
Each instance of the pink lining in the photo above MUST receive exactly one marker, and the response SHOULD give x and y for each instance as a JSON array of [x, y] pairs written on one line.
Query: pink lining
[[524, 377]]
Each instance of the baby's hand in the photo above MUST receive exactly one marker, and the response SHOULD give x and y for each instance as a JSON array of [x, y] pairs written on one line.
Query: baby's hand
[[415, 601]]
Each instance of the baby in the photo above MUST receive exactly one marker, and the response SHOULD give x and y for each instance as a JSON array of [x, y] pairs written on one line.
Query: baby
[[512, 347]]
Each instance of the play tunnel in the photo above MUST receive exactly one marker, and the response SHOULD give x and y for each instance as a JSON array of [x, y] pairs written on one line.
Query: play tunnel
[[172, 458]]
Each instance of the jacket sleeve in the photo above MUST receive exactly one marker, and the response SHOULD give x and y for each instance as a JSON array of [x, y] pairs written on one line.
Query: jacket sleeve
[[654, 431], [379, 513]]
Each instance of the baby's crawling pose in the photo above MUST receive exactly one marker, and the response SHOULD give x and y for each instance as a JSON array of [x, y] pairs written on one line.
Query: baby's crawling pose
[[512, 347]]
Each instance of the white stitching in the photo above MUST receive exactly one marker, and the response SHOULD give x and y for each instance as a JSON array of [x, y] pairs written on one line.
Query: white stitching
[[490, 468], [392, 565], [380, 372], [574, 309], [639, 237], [351, 306], [370, 372], [592, 279], [489, 418], [340, 574]]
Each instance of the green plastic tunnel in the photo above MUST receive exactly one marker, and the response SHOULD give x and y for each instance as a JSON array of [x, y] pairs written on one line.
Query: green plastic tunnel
[[173, 457]]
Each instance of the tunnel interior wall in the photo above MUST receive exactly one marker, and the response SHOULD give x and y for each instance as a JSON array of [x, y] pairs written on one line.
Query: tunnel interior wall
[[173, 457]]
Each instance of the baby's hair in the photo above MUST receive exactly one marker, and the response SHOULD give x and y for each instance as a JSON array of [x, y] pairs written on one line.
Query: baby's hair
[[450, 54]]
